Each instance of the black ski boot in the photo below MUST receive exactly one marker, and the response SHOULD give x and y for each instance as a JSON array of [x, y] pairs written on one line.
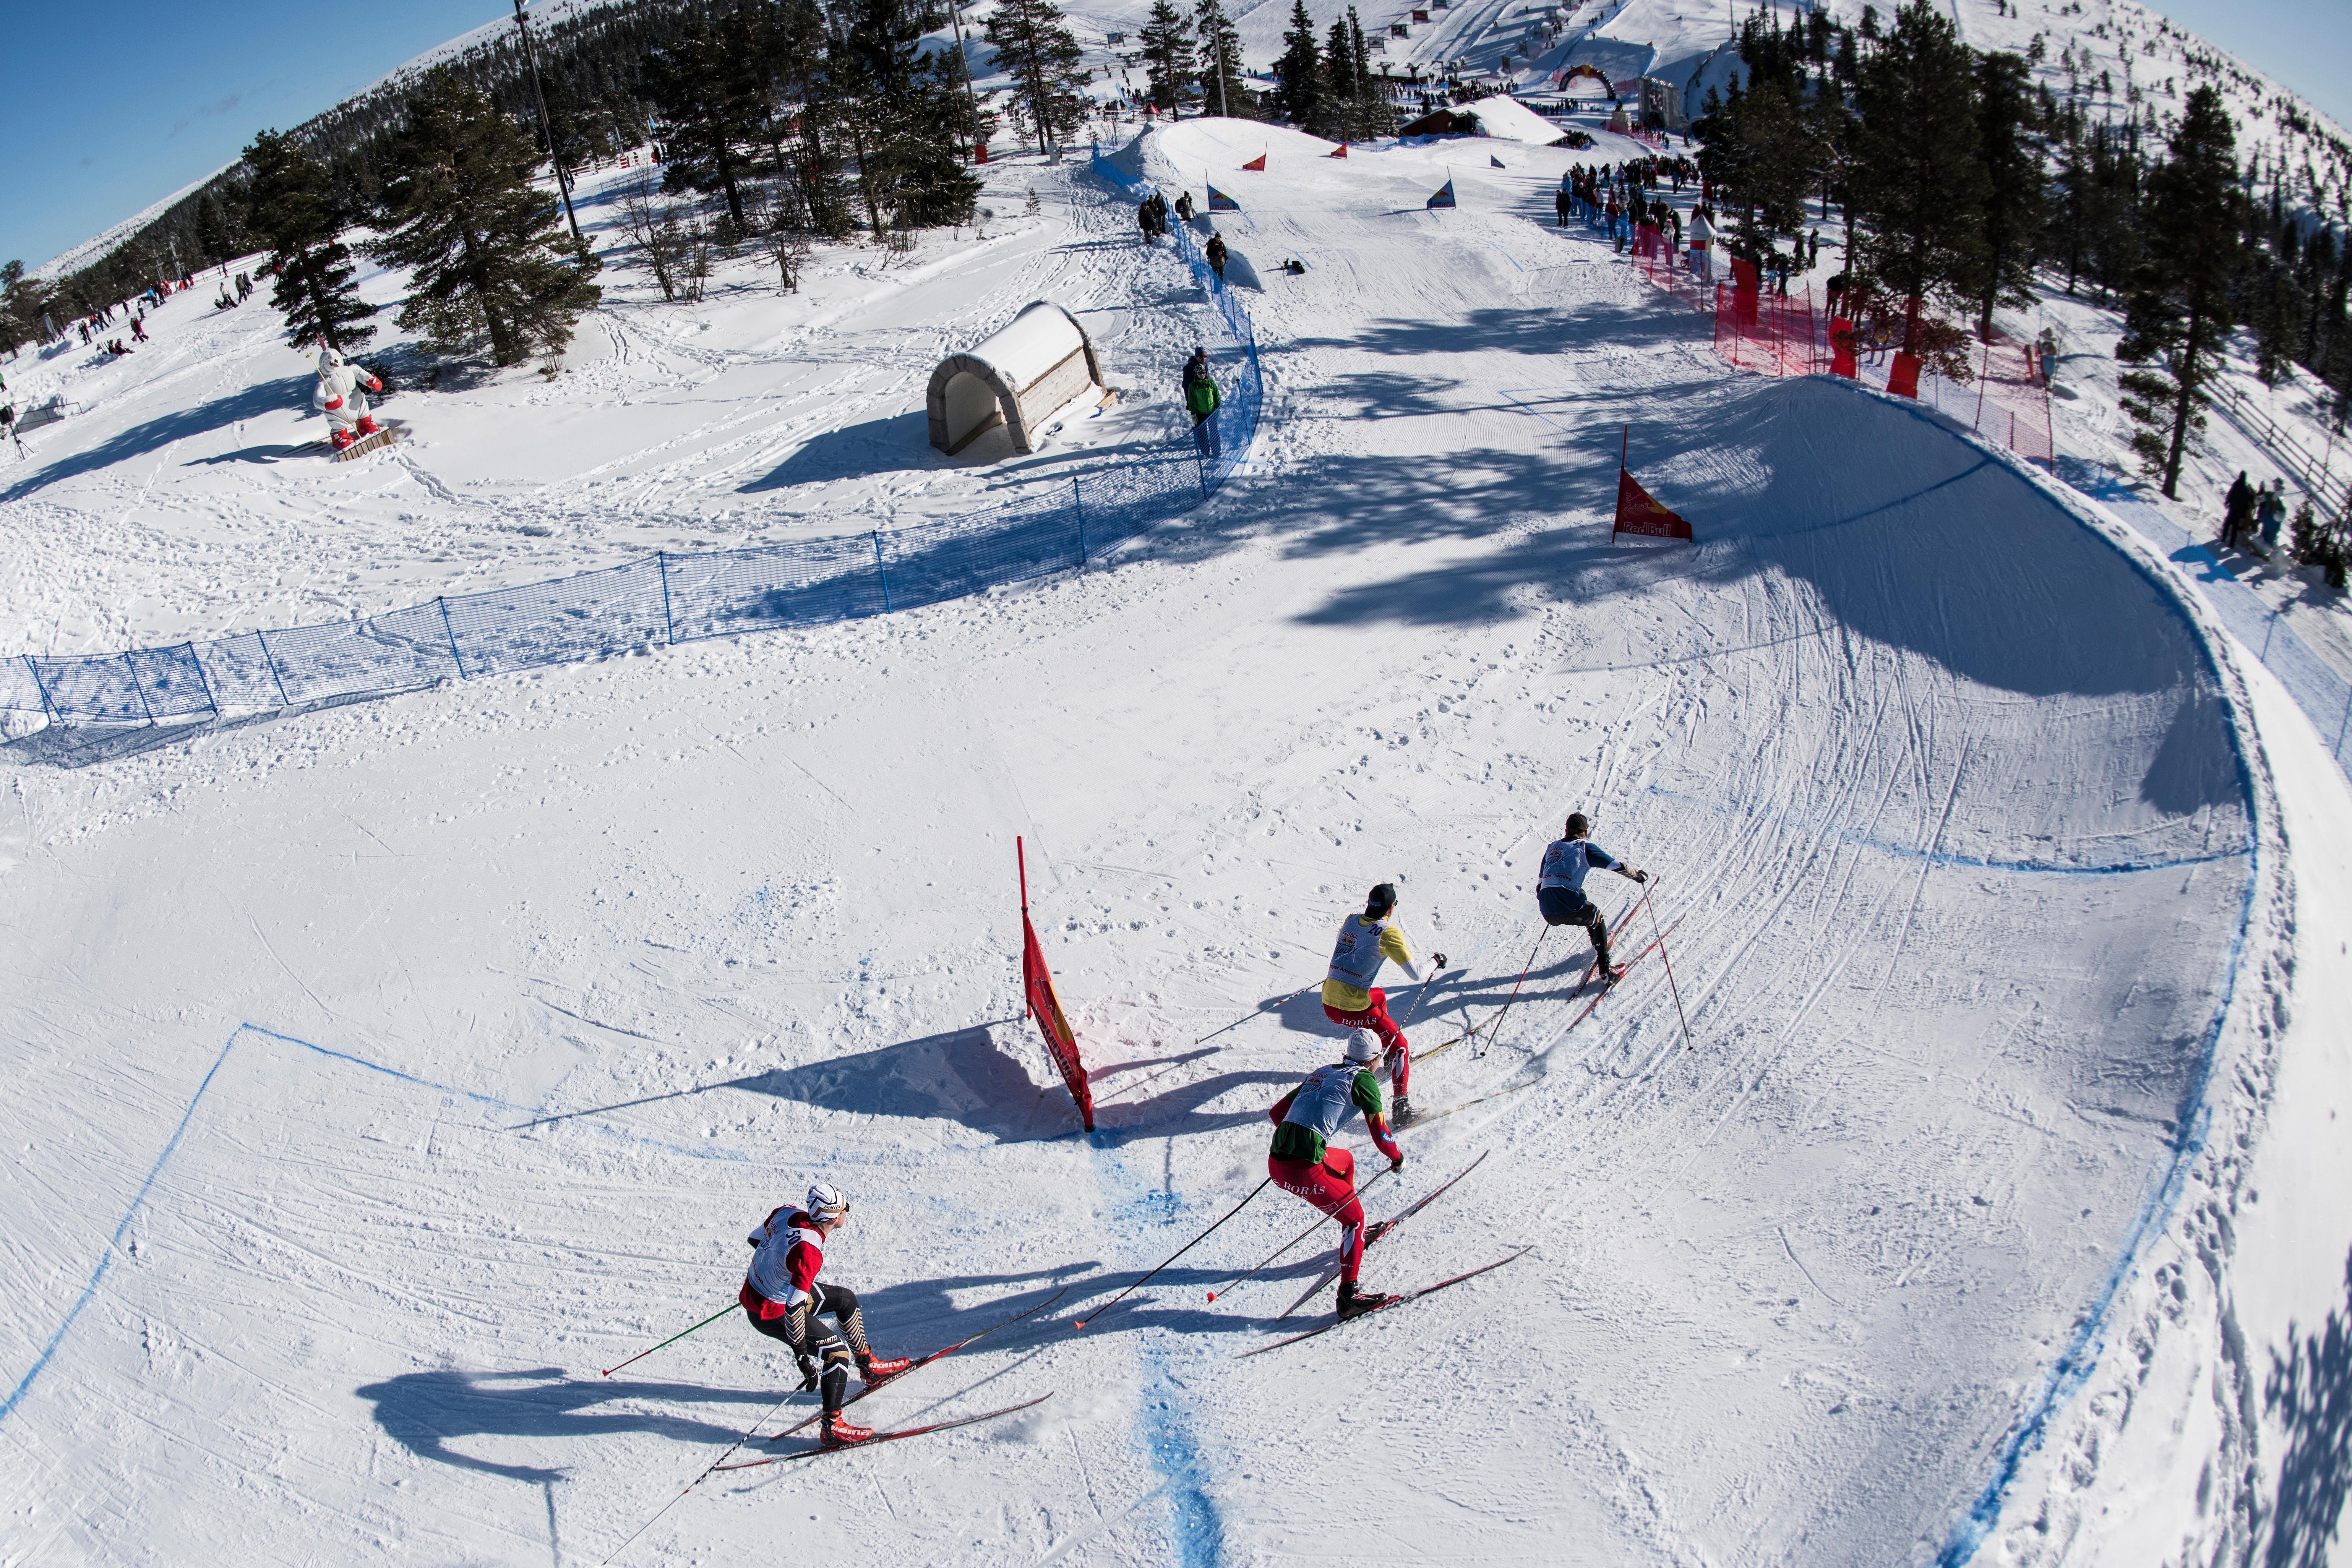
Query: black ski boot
[[1403, 1117], [1355, 1303]]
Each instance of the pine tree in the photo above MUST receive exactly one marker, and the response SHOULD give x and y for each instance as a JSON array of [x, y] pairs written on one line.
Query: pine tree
[[21, 302], [903, 126], [479, 238], [1375, 116], [1033, 43], [1915, 178], [296, 215], [1340, 115], [1223, 90], [1299, 99], [2016, 188], [2177, 317], [705, 84], [1168, 58]]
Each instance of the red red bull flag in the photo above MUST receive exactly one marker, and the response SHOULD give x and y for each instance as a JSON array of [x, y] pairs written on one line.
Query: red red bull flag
[[1339, 151], [1037, 994], [1443, 197], [1257, 163], [1638, 513]]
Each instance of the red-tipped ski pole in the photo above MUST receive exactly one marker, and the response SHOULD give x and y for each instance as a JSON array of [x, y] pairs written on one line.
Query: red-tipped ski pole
[[1239, 1280], [1172, 1257], [672, 1340], [1672, 983]]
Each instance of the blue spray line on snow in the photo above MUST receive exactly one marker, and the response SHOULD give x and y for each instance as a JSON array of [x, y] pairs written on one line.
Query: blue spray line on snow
[[114, 1243], [1196, 1531], [2074, 1365]]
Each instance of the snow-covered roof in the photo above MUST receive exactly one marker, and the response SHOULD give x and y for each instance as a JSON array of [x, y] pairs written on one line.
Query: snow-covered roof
[[1032, 342], [1512, 120]]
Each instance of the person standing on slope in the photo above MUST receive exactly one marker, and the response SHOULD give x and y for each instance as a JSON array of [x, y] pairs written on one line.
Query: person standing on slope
[[1303, 1163], [1350, 999], [1559, 889], [784, 1301]]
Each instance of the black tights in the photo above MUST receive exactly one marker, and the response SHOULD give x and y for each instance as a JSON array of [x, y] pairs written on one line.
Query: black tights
[[803, 1329]]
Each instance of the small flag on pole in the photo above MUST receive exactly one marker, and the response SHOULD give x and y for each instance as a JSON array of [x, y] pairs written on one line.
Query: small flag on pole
[[1257, 163], [1340, 152], [1042, 1004], [1638, 513], [1495, 163], [1221, 203], [1443, 197]]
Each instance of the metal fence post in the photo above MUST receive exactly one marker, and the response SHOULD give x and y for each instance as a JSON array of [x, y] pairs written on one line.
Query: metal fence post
[[1078, 500], [140, 690], [203, 679], [882, 570], [2344, 725], [451, 633], [49, 708], [2268, 632], [271, 660], [669, 626]]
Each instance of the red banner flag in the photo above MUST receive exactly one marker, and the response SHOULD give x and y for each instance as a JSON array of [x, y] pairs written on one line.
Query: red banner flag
[[1638, 513], [1257, 163], [1340, 152], [1902, 376], [1037, 995]]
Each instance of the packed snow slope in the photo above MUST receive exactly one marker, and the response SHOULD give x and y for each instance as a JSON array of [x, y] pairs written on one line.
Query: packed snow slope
[[380, 1074]]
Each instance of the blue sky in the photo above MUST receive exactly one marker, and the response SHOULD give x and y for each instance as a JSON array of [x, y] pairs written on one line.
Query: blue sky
[[103, 113]]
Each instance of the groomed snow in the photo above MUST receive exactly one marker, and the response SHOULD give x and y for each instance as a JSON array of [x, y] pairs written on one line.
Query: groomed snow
[[439, 1050]]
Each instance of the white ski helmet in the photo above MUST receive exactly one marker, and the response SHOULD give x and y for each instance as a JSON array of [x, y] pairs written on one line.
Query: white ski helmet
[[825, 1203], [1362, 1048]]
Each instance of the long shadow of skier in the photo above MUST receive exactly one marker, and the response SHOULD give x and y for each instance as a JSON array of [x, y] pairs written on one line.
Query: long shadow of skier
[[424, 1411]]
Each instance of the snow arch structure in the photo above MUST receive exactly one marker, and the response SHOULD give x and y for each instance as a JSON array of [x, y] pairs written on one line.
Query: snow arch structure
[[1020, 376]]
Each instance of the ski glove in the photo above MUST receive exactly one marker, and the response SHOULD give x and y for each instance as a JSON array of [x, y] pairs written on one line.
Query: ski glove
[[1436, 963], [812, 1371], [1397, 1163]]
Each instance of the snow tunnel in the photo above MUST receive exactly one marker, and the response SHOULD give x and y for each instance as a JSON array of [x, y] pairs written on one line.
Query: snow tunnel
[[1021, 376]]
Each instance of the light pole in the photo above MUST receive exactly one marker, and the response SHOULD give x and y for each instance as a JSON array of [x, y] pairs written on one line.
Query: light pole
[[563, 177], [964, 60]]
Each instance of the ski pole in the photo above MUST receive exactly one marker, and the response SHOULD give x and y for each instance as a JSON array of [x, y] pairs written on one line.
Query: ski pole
[[672, 1340], [1229, 1288], [1254, 1012], [1172, 1257], [1672, 983], [1497, 1021]]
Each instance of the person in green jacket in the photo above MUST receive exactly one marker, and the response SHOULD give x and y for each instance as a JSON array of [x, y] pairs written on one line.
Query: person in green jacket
[[1202, 397]]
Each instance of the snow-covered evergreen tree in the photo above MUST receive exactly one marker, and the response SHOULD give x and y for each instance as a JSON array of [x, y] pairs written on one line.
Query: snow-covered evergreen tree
[[1168, 58], [1033, 43]]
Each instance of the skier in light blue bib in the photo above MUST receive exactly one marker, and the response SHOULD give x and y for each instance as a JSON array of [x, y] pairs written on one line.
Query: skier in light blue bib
[[1560, 888]]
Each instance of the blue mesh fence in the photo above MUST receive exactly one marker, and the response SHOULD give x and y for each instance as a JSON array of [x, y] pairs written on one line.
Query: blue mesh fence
[[668, 599]]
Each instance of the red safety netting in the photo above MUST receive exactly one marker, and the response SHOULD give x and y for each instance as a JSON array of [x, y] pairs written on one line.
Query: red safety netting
[[1769, 333], [1037, 993]]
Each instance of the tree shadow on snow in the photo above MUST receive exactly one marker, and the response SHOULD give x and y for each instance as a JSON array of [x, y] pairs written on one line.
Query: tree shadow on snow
[[156, 434], [2309, 1391]]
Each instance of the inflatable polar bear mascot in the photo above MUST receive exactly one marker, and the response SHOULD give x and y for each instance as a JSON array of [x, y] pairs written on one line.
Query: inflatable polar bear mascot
[[339, 397]]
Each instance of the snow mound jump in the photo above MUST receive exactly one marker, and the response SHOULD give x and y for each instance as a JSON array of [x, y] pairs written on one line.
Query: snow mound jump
[[1022, 375]]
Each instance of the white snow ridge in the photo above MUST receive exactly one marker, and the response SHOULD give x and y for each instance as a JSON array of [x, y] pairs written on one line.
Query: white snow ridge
[[381, 1074]]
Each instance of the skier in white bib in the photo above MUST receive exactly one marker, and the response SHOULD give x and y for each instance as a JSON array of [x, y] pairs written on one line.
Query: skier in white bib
[[785, 1300], [1560, 888], [339, 398], [1304, 1162]]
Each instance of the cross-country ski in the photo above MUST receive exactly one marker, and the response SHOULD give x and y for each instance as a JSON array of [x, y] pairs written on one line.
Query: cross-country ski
[[1398, 1299], [875, 1439], [733, 732]]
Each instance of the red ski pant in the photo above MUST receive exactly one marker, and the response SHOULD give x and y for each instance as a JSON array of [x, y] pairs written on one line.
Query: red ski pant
[[1331, 1187], [1399, 1058]]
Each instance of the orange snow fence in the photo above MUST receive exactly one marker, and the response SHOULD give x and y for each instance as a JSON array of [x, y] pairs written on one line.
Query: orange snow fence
[[1040, 1003], [1638, 513]]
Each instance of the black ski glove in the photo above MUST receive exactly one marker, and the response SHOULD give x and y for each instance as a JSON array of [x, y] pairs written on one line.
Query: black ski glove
[[811, 1373], [1640, 876], [1437, 961], [1397, 1163]]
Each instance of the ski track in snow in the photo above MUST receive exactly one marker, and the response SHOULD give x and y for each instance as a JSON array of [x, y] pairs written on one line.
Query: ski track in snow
[[539, 990]]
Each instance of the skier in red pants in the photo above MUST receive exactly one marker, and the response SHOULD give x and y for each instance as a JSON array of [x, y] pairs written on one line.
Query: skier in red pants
[[784, 1301], [1353, 1002], [1303, 1163]]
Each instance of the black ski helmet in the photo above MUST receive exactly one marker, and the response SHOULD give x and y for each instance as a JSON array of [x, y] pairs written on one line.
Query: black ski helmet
[[1380, 899], [1577, 824]]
